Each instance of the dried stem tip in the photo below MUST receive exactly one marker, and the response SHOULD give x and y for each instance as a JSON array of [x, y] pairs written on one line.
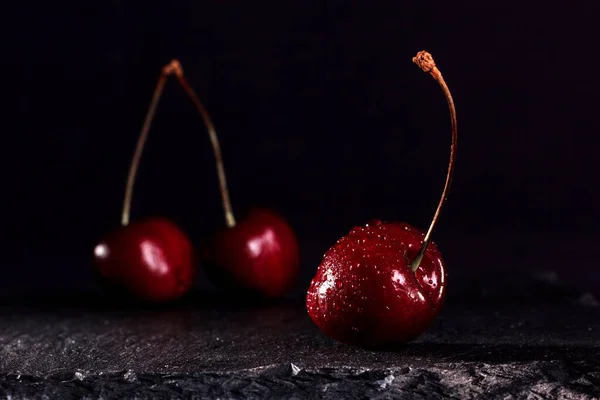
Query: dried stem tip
[[425, 61], [173, 68]]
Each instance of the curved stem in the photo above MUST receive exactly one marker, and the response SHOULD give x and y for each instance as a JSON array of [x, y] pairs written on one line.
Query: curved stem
[[425, 61], [214, 140], [139, 148], [174, 68]]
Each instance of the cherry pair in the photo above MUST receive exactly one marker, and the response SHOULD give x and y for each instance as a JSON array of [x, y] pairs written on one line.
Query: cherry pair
[[153, 259]]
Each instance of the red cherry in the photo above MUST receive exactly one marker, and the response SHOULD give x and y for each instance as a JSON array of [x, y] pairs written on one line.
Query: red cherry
[[383, 285], [259, 254], [365, 293], [150, 259]]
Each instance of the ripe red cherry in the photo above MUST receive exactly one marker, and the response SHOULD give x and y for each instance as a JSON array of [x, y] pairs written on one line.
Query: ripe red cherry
[[259, 254], [365, 292], [382, 285], [150, 259]]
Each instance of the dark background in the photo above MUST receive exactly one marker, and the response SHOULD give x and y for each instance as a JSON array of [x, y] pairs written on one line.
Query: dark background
[[322, 116]]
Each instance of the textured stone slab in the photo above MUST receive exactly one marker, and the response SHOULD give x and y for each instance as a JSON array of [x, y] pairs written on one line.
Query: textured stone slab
[[525, 339]]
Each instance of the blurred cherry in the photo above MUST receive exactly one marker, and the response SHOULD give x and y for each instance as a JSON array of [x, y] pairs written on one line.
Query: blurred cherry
[[151, 259], [383, 285], [259, 255]]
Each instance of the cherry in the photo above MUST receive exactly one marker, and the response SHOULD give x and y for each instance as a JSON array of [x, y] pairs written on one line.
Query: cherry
[[383, 284], [365, 292], [258, 254], [151, 259]]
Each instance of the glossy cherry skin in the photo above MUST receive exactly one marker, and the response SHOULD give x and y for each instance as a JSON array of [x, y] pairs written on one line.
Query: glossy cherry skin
[[259, 255], [365, 294], [150, 259]]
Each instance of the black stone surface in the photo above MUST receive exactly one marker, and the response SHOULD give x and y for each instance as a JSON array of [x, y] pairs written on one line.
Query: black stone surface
[[507, 339]]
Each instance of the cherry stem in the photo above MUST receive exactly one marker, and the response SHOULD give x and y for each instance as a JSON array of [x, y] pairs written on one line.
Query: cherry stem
[[214, 140], [174, 68], [425, 61], [139, 147]]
